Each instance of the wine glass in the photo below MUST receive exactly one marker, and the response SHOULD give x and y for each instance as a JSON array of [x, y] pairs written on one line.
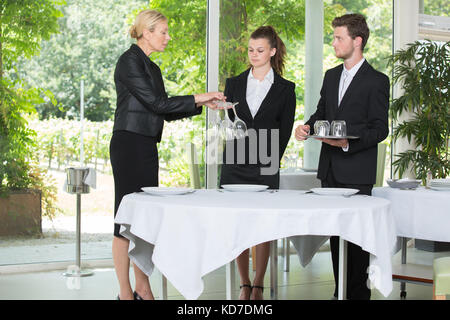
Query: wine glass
[[239, 126], [286, 163], [215, 124], [226, 127]]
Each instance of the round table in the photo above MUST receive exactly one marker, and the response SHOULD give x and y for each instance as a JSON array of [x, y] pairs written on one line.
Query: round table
[[421, 213], [188, 236]]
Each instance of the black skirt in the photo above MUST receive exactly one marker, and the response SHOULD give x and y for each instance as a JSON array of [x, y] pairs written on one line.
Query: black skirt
[[134, 161], [248, 174]]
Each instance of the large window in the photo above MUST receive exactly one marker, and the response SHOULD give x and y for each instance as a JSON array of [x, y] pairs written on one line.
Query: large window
[[239, 19], [92, 35]]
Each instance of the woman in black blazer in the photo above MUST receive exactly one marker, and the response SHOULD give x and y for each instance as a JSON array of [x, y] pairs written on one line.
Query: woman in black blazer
[[142, 107], [267, 105]]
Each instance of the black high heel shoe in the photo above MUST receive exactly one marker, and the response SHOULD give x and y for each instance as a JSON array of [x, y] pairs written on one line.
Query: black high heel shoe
[[246, 286], [258, 287], [137, 296]]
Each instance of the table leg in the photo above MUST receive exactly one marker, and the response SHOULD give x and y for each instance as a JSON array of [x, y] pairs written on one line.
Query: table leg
[[163, 287], [230, 280], [286, 254], [403, 284], [342, 277], [274, 270]]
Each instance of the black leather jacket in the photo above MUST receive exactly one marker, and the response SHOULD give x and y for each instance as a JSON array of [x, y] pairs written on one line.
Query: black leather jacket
[[142, 102]]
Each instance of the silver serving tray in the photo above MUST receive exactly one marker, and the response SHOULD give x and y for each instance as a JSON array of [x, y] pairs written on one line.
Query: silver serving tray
[[332, 137]]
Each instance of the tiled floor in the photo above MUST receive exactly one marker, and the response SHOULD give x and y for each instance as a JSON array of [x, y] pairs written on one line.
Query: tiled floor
[[315, 282]]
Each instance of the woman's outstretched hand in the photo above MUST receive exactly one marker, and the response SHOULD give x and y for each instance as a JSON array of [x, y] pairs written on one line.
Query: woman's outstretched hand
[[209, 99]]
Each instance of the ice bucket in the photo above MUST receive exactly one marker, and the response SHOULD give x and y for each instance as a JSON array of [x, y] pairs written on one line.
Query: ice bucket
[[75, 180]]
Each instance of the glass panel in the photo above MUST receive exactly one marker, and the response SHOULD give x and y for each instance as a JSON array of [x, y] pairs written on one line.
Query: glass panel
[[435, 7], [379, 18], [184, 72], [434, 21], [239, 19], [93, 35]]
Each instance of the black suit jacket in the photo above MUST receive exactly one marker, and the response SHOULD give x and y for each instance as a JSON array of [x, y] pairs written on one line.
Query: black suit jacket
[[277, 111], [142, 101], [364, 107]]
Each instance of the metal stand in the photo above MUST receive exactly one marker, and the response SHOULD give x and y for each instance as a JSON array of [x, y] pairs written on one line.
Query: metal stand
[[286, 253], [274, 269], [342, 274], [75, 178], [230, 280]]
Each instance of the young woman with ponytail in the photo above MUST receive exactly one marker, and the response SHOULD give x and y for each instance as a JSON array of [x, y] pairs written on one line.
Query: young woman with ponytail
[[266, 103]]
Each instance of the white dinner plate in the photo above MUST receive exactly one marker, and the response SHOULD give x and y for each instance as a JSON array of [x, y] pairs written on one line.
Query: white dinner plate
[[440, 188], [441, 181], [441, 185], [335, 191], [164, 191], [244, 187]]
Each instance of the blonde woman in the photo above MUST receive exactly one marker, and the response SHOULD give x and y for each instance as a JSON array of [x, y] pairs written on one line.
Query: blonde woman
[[142, 107]]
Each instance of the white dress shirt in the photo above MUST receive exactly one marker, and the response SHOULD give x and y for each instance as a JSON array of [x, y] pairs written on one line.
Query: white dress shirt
[[257, 90], [346, 79], [344, 82]]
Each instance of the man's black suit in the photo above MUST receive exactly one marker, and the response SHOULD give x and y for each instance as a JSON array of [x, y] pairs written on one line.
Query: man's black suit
[[364, 107]]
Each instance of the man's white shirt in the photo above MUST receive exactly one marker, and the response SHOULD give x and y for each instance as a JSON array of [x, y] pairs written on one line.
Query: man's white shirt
[[344, 83]]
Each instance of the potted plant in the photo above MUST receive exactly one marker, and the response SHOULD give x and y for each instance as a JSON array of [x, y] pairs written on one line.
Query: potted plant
[[25, 191], [423, 71]]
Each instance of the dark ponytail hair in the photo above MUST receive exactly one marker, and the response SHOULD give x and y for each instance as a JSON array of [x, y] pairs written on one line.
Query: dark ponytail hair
[[269, 33]]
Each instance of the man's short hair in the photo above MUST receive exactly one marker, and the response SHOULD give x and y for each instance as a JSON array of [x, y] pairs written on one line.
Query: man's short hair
[[356, 25]]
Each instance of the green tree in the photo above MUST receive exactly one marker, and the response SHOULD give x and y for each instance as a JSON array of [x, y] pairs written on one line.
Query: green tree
[[238, 19], [378, 14], [93, 34], [437, 8], [23, 25]]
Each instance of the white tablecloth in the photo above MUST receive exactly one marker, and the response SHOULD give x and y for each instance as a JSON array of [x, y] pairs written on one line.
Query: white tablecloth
[[306, 246], [188, 236], [421, 213]]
